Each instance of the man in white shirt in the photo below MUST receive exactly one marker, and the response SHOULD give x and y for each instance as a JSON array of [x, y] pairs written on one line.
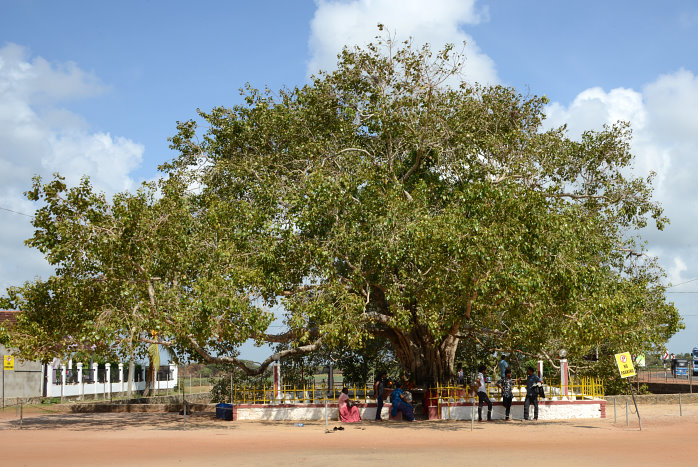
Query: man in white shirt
[[482, 398]]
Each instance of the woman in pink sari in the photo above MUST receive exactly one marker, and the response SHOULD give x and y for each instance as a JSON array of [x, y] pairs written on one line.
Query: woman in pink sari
[[348, 413]]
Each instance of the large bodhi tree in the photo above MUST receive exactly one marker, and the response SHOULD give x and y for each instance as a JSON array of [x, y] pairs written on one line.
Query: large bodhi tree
[[386, 198]]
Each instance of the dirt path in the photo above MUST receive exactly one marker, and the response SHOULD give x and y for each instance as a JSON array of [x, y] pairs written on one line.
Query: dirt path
[[160, 439]]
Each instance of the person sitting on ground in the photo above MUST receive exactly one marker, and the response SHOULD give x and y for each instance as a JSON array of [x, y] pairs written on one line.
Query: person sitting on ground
[[401, 403], [348, 412]]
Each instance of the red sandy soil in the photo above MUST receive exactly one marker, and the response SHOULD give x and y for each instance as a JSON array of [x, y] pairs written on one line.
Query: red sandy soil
[[155, 439]]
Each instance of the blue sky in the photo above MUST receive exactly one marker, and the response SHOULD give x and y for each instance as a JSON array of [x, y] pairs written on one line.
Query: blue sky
[[97, 87]]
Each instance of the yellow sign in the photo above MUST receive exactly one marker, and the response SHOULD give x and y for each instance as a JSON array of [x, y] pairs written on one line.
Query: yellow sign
[[625, 365], [8, 362]]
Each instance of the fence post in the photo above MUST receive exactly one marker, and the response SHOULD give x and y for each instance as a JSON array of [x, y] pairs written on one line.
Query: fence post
[[327, 426], [62, 382], [95, 379], [121, 378], [614, 410], [627, 414], [107, 378], [184, 406], [80, 382]]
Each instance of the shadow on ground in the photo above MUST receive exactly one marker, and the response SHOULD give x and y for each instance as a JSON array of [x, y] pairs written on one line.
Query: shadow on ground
[[117, 421]]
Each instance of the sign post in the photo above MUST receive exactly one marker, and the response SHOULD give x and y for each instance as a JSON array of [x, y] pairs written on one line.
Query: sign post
[[626, 369], [8, 364]]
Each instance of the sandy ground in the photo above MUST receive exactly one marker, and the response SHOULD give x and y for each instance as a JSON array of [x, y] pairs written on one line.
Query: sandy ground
[[61, 439]]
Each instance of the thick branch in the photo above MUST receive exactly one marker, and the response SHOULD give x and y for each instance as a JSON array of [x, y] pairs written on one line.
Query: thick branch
[[208, 358]]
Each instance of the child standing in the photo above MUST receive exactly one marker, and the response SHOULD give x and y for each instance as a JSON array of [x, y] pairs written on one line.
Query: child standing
[[505, 384], [482, 394]]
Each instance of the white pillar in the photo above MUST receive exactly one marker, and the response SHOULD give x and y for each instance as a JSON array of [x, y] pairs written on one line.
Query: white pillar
[[95, 379], [80, 382], [540, 369], [50, 374], [173, 376], [156, 383], [121, 378], [564, 378], [277, 380], [107, 378], [62, 380]]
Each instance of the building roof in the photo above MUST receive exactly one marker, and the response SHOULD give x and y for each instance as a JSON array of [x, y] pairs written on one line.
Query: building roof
[[8, 315]]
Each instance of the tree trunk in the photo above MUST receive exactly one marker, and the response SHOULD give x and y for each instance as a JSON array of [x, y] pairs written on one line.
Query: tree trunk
[[131, 376], [426, 362], [148, 380]]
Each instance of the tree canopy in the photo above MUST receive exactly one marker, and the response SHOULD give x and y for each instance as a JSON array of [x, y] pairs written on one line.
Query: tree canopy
[[379, 200]]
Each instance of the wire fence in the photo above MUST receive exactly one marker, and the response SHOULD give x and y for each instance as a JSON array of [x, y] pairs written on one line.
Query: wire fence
[[667, 374]]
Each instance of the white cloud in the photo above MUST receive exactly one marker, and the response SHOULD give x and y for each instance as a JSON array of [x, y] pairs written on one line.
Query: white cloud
[[664, 119], [38, 136], [437, 22], [675, 271]]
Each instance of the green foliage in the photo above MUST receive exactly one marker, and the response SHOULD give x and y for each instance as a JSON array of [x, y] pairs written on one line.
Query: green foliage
[[375, 201], [361, 365], [221, 384]]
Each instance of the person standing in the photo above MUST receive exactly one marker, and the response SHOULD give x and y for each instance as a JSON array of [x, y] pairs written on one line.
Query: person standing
[[505, 384], [531, 393], [460, 377], [482, 398], [503, 365], [378, 389]]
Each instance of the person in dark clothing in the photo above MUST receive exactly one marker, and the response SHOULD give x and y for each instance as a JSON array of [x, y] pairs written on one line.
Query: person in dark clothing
[[531, 393], [378, 387], [482, 398], [507, 394]]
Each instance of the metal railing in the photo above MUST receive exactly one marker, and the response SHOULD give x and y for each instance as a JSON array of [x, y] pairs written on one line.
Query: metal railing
[[578, 389], [298, 394]]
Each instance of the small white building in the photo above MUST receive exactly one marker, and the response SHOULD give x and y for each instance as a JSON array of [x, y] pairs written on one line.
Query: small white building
[[29, 379]]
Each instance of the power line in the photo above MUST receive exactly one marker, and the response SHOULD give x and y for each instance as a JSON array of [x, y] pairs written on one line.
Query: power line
[[682, 283], [15, 212]]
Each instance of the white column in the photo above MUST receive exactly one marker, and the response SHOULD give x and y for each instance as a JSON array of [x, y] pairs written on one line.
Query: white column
[[80, 382], [62, 380], [540, 369], [564, 378], [50, 372], [173, 376], [277, 380], [156, 383], [107, 378], [94, 378], [121, 378]]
